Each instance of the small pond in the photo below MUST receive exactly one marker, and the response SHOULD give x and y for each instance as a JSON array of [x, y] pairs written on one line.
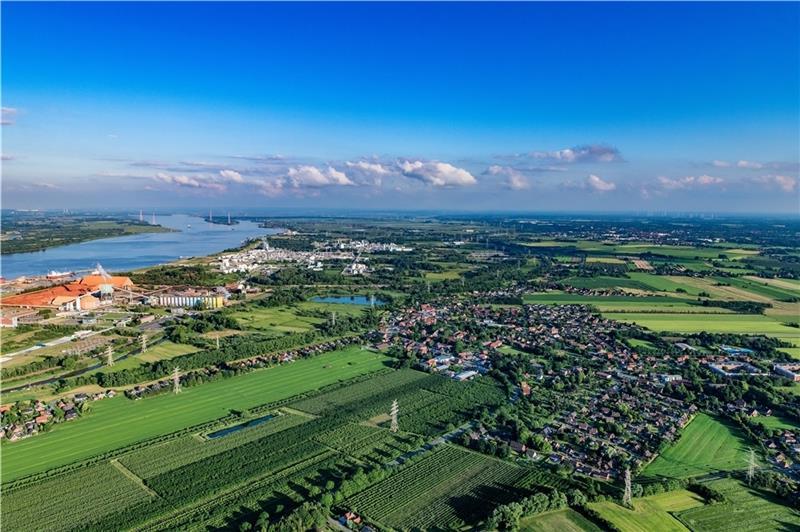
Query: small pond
[[347, 300], [241, 426]]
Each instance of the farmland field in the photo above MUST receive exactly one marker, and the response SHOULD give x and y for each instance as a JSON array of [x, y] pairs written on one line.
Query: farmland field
[[119, 421], [722, 323], [62, 503], [745, 509], [558, 521], [277, 321], [706, 445], [645, 304], [651, 514], [445, 488]]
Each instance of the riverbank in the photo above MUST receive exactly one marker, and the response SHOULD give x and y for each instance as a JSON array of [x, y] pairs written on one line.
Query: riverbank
[[181, 237], [43, 234]]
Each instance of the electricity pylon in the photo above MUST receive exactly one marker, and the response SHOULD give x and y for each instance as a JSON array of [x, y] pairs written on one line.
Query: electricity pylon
[[751, 467], [176, 380], [393, 412], [628, 495], [109, 356]]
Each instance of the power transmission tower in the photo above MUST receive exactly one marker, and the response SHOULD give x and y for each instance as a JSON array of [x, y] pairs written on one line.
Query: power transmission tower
[[393, 412], [144, 343], [333, 319], [217, 337], [751, 467], [627, 496], [176, 380], [372, 301], [109, 356]]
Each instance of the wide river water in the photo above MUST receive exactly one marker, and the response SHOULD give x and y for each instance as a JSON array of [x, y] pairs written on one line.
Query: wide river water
[[127, 253]]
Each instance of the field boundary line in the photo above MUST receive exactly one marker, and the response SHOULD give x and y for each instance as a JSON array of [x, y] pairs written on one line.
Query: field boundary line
[[132, 476]]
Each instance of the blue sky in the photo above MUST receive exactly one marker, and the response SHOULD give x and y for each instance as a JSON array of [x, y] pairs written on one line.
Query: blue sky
[[572, 106]]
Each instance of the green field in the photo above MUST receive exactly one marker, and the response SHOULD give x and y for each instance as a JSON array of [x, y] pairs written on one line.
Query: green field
[[558, 521], [745, 509], [120, 421], [443, 490], [651, 514], [297, 318], [778, 422], [706, 445], [713, 323], [63, 505], [644, 304]]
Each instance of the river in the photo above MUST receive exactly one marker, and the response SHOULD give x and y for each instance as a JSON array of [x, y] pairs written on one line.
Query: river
[[127, 253]]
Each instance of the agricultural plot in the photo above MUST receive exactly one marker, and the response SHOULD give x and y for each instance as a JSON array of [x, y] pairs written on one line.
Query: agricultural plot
[[558, 521], [296, 318], [713, 323], [165, 351], [648, 304], [428, 403], [744, 509], [651, 513], [64, 502], [119, 421], [172, 454], [705, 446], [444, 489], [602, 281], [365, 443]]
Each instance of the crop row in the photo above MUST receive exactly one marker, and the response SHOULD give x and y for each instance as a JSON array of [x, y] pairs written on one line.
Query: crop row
[[268, 454], [413, 485], [64, 502], [158, 459], [470, 499], [361, 392]]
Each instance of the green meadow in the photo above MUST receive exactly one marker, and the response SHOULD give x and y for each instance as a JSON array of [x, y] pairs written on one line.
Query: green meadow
[[120, 421], [651, 514], [558, 521], [745, 509], [713, 323], [705, 446]]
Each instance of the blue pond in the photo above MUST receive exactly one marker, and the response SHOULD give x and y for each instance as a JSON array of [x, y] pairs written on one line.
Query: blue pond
[[346, 300], [242, 426]]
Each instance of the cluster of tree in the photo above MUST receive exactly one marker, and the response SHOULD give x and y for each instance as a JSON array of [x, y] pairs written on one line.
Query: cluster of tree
[[739, 307], [345, 324], [194, 275], [36, 366], [184, 330], [234, 348], [289, 276], [508, 516], [280, 297], [780, 484]]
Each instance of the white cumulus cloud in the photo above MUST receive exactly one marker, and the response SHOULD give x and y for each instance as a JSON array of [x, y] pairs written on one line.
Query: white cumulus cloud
[[689, 182], [437, 173], [514, 179], [307, 176], [599, 184], [231, 175]]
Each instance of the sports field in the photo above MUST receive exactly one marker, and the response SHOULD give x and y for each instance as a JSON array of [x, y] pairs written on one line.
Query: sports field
[[706, 445], [558, 521], [120, 421], [651, 514], [745, 509]]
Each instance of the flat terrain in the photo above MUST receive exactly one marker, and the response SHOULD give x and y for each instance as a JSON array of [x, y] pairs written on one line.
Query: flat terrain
[[119, 421], [558, 521], [651, 514], [728, 323], [745, 509], [706, 445]]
